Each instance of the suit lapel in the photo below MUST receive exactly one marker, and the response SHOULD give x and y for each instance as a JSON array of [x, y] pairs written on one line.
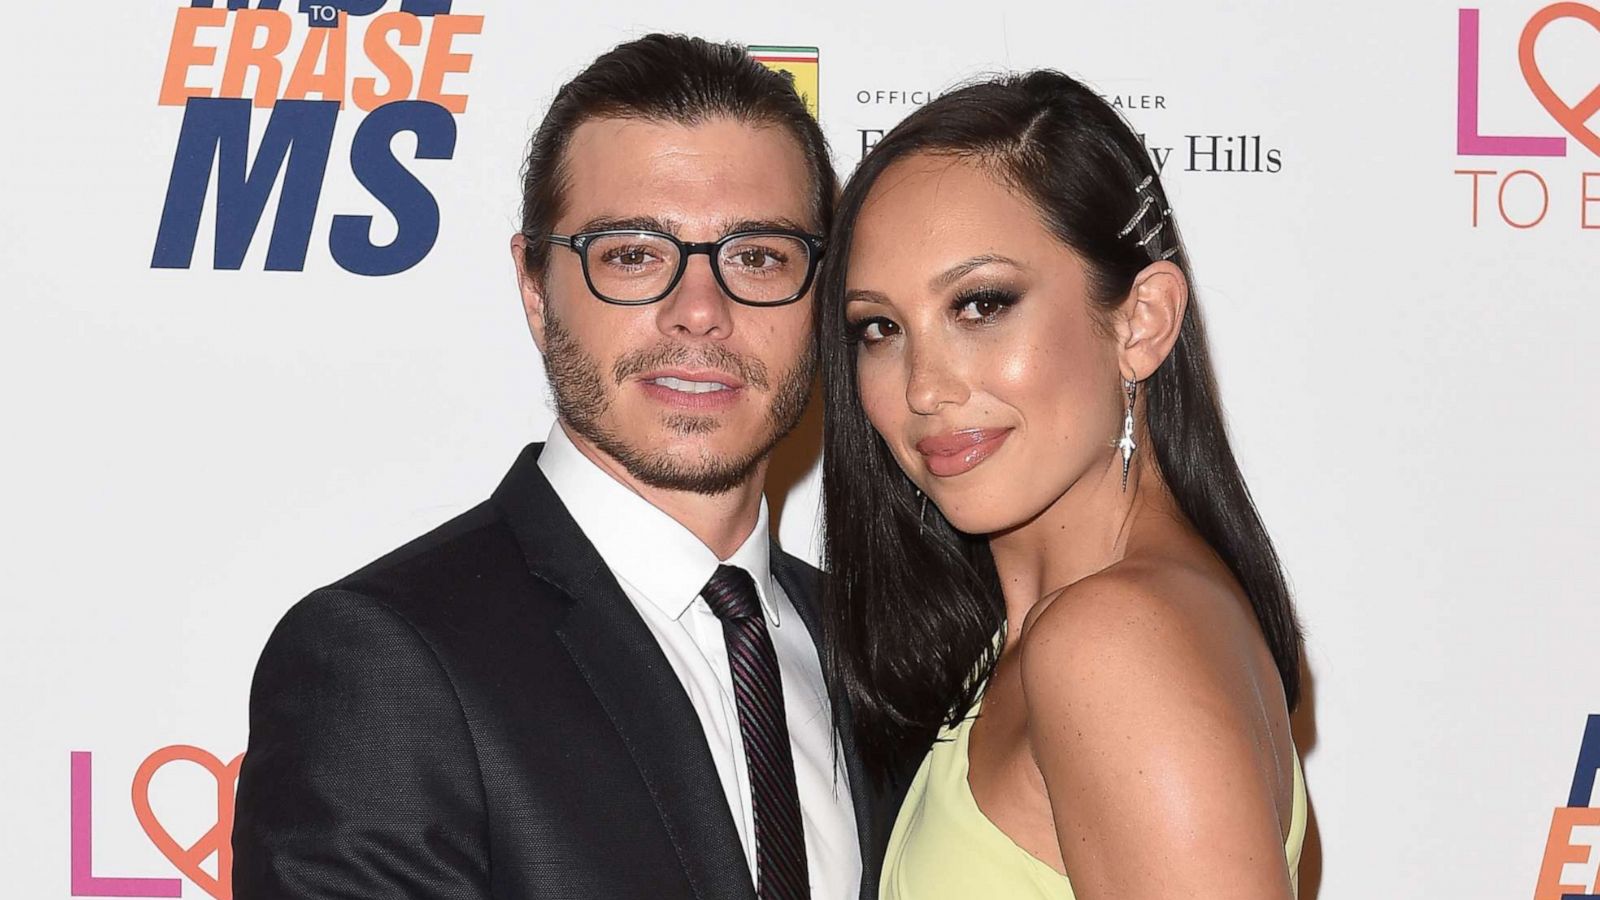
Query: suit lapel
[[624, 666], [802, 587]]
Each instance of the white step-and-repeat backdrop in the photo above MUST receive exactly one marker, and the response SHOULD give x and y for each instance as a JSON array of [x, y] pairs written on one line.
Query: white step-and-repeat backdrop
[[259, 326]]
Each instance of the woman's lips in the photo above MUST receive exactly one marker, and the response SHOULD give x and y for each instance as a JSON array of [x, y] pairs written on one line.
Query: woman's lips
[[960, 451]]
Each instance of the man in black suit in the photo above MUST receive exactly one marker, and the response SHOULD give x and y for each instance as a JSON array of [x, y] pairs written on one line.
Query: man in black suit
[[602, 682]]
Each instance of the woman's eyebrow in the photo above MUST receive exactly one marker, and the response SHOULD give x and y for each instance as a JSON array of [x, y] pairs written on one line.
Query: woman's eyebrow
[[862, 295], [953, 274]]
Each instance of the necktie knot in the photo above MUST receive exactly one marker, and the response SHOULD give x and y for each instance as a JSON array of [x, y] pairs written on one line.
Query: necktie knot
[[731, 594]]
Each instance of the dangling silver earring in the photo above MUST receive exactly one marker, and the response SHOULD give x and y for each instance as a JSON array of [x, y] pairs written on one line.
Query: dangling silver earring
[[922, 514], [1125, 443]]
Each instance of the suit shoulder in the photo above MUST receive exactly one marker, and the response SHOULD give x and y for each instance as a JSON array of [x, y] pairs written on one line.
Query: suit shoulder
[[802, 573], [476, 544], [447, 539], [785, 558], [461, 568], [333, 623]]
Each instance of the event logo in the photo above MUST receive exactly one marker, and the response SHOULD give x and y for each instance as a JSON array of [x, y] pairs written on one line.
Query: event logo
[[1529, 189], [1236, 152], [797, 64], [224, 64], [189, 860], [1571, 869]]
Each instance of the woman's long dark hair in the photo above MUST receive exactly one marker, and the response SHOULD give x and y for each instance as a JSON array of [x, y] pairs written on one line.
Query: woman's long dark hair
[[913, 604]]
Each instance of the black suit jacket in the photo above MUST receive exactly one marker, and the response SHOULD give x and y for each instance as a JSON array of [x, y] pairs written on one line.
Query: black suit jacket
[[482, 713]]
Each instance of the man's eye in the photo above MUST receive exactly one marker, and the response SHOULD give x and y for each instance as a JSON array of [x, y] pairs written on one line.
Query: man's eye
[[758, 258], [628, 256]]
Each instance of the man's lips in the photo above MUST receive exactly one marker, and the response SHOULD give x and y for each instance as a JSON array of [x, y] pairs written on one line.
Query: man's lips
[[691, 389], [693, 377], [956, 452]]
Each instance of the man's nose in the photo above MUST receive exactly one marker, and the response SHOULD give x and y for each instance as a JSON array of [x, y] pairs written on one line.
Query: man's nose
[[697, 306]]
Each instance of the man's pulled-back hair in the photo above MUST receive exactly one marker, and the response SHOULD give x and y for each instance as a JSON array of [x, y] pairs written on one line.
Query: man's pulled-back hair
[[665, 78]]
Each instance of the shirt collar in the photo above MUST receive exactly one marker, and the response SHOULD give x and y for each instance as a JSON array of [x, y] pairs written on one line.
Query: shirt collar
[[648, 550]]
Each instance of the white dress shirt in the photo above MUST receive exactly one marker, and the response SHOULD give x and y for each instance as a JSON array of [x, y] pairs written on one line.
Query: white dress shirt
[[662, 567]]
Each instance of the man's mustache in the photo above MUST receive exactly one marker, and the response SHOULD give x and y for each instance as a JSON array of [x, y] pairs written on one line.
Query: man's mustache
[[752, 372]]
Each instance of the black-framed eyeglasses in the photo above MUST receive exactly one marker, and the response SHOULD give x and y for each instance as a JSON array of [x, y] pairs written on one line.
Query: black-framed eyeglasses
[[755, 268]]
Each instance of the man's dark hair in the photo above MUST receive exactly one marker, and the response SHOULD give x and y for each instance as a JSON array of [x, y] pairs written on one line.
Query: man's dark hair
[[665, 78]]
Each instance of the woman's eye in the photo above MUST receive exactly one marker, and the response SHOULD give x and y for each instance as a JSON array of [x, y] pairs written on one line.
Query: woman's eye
[[982, 307], [873, 331]]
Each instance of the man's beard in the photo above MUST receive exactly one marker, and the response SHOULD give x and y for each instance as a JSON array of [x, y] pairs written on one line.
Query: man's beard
[[582, 399]]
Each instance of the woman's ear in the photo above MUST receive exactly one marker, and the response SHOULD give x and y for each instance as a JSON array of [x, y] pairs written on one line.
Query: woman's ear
[[1151, 318], [531, 288]]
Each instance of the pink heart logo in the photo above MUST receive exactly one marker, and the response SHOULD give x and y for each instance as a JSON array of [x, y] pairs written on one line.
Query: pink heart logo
[[1574, 118], [217, 839]]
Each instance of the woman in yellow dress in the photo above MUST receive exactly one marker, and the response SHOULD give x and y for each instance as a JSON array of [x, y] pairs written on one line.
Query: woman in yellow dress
[[1044, 562]]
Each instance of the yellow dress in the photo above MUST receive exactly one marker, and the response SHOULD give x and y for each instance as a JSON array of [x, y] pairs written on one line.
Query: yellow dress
[[944, 848]]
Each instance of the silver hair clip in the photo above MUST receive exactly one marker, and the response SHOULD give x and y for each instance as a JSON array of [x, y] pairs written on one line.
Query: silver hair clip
[[1151, 234], [1148, 201], [1143, 208]]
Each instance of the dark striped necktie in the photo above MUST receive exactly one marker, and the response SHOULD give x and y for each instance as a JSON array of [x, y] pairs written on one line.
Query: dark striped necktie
[[758, 692]]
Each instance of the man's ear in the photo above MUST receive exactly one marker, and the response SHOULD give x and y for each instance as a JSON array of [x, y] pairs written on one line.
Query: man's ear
[[1150, 319], [532, 289]]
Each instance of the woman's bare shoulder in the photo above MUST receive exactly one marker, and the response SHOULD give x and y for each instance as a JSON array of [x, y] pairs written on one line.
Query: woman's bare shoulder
[[1144, 701], [1146, 615]]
